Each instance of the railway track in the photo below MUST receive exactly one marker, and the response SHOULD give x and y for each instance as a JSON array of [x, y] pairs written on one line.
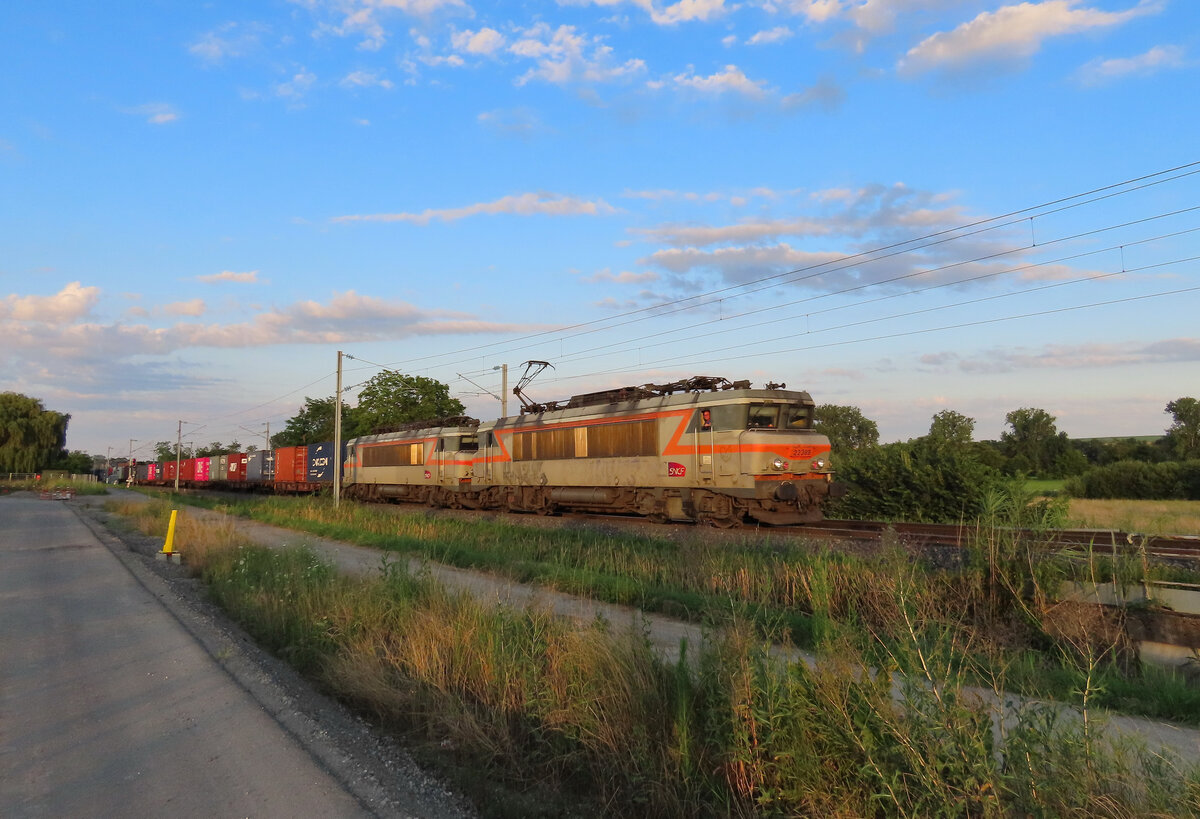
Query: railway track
[[919, 535], [1104, 541]]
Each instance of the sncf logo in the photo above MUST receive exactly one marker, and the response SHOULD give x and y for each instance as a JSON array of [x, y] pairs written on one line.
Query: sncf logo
[[675, 470]]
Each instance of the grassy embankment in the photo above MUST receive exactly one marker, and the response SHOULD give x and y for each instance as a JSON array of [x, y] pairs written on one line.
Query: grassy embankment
[[812, 596], [731, 730], [55, 485]]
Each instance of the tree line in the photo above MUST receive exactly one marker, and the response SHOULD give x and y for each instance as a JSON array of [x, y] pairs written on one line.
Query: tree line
[[34, 439], [947, 476], [944, 475]]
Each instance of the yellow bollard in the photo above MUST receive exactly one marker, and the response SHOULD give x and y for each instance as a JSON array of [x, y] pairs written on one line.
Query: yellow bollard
[[167, 547]]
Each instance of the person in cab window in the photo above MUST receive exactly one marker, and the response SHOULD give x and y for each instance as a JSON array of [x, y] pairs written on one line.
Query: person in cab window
[[705, 420]]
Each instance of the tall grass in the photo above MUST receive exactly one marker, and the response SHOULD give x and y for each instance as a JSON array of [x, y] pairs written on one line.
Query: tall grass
[[732, 729], [55, 484], [1174, 517], [793, 584], [808, 594]]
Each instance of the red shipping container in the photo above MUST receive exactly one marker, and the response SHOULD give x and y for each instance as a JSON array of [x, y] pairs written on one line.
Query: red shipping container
[[188, 470], [291, 464], [237, 466], [170, 470]]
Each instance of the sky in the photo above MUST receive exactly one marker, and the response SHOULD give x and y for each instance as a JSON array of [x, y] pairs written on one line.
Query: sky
[[901, 205]]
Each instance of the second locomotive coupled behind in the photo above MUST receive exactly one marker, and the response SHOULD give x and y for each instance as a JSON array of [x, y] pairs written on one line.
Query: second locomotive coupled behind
[[704, 450]]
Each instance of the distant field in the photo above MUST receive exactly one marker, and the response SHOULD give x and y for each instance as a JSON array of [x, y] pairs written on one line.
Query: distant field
[[1045, 487], [1149, 517]]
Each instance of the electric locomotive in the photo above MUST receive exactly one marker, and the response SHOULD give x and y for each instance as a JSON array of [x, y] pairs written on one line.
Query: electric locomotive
[[704, 449]]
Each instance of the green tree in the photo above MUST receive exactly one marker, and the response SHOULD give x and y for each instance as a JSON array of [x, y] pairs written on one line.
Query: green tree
[[919, 481], [1035, 445], [1027, 443], [164, 451], [31, 436], [950, 428], [1184, 433], [391, 398], [845, 427], [76, 463], [217, 448], [312, 424]]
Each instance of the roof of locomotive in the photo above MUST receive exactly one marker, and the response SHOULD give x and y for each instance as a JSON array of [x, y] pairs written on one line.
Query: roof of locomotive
[[632, 400], [430, 428]]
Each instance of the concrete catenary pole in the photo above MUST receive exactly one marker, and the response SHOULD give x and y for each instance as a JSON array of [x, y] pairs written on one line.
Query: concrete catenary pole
[[337, 436]]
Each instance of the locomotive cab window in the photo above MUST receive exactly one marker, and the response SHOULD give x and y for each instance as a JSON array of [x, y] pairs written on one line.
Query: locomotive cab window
[[721, 417], [458, 443], [798, 417], [763, 416]]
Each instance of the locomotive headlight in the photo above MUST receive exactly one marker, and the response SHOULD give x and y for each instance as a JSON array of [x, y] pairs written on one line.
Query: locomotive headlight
[[779, 464], [818, 463]]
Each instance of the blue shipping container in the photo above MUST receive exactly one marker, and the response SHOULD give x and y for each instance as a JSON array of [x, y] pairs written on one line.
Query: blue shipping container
[[321, 462]]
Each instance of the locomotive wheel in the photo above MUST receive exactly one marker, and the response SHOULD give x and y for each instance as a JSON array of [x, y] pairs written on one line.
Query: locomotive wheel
[[720, 523]]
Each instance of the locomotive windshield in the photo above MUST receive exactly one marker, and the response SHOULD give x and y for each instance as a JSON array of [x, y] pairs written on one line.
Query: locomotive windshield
[[776, 416], [798, 417], [460, 442], [751, 416], [763, 416]]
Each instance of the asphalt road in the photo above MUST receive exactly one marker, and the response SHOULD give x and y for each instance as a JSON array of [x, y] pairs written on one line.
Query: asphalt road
[[109, 707]]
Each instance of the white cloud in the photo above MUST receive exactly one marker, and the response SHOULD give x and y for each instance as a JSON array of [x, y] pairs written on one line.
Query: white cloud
[[51, 334], [818, 11], [770, 36], [680, 12], [365, 79], [1013, 32], [731, 80], [156, 113], [1156, 59], [192, 307], [250, 277], [663, 194], [563, 56], [825, 94], [485, 42], [297, 86], [521, 122], [841, 227], [752, 231], [740, 264], [452, 60], [686, 10], [526, 204], [73, 302], [228, 40], [624, 277], [1071, 356], [365, 18]]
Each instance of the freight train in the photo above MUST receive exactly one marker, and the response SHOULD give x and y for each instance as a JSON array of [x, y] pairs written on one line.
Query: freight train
[[704, 450]]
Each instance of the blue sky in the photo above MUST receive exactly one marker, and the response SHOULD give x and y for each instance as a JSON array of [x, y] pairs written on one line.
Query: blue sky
[[201, 203]]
